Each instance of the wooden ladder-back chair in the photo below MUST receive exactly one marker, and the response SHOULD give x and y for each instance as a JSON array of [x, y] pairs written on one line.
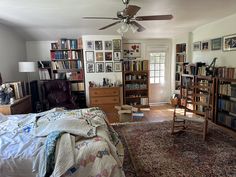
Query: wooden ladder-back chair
[[195, 112]]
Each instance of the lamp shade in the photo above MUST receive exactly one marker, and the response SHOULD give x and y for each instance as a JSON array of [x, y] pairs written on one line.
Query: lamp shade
[[27, 66]]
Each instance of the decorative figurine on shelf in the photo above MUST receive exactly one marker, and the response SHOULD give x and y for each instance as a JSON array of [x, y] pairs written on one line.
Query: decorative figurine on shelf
[[6, 93], [91, 84]]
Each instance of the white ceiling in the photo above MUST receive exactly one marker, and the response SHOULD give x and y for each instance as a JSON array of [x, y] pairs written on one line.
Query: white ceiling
[[53, 19]]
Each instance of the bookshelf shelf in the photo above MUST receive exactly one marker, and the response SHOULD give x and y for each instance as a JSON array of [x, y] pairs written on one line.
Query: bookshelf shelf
[[136, 83], [67, 63]]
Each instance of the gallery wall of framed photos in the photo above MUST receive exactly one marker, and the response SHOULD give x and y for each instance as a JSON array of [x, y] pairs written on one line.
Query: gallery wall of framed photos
[[224, 43], [103, 56]]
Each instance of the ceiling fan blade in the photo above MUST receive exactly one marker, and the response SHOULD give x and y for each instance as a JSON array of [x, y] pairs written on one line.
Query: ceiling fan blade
[[140, 27], [105, 27], [109, 18], [154, 17], [131, 10]]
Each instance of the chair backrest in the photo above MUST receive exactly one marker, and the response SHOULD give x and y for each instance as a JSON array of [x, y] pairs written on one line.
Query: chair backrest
[[57, 92], [197, 100]]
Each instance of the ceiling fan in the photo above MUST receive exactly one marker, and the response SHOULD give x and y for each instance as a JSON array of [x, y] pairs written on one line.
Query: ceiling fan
[[127, 16]]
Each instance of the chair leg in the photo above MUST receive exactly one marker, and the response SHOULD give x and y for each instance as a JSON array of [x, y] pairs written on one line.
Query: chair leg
[[205, 130]]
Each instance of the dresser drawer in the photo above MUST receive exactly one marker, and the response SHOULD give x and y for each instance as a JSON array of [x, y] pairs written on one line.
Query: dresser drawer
[[105, 100], [104, 92]]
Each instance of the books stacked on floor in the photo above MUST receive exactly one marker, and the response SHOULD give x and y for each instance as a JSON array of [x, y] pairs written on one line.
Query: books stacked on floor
[[137, 115]]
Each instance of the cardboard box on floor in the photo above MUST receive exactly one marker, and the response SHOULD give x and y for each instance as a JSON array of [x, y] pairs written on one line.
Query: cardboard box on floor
[[126, 112]]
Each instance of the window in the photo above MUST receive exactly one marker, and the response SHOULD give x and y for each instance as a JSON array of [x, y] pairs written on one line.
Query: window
[[157, 67]]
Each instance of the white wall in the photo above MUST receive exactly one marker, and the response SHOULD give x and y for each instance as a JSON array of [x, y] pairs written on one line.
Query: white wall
[[36, 51], [98, 77], [157, 92], [12, 50], [222, 27]]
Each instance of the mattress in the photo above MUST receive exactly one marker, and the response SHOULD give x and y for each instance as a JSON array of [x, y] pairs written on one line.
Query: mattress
[[20, 148]]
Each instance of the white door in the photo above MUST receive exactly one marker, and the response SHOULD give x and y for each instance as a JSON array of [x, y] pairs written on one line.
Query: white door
[[159, 66]]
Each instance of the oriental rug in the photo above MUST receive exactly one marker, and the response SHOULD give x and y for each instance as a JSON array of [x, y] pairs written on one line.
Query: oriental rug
[[151, 151]]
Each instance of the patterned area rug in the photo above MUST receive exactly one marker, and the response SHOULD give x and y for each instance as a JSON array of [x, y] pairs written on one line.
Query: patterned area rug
[[151, 151]]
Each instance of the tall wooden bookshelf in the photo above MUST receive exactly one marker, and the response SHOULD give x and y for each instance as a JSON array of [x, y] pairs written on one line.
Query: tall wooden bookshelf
[[67, 62], [180, 59], [225, 109], [136, 83]]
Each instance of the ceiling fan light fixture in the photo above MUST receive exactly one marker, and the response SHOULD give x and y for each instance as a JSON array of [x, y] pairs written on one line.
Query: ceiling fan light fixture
[[133, 27]]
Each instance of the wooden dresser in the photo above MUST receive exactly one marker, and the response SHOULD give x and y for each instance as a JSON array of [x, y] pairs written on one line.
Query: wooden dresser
[[106, 98], [20, 106]]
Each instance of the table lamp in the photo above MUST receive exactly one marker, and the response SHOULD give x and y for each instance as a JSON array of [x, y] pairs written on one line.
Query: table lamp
[[27, 67]]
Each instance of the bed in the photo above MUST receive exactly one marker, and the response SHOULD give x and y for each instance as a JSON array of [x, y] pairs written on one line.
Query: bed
[[76, 143]]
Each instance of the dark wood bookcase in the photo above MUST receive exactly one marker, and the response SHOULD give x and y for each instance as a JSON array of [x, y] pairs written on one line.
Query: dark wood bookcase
[[136, 83]]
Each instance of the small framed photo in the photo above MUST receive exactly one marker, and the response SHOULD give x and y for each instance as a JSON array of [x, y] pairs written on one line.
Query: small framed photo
[[108, 45], [98, 45], [229, 42], [117, 67], [90, 68], [196, 46], [116, 56], [99, 56], [54, 46], [109, 67], [99, 67], [116, 44], [89, 45], [216, 44], [89, 56], [108, 56], [205, 45]]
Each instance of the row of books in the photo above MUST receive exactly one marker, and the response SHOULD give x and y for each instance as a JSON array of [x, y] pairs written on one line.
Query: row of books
[[227, 119], [55, 55], [19, 89], [227, 89], [228, 73], [135, 77], [180, 58], [227, 105], [70, 64], [136, 86], [67, 44], [44, 74], [78, 86], [139, 65]]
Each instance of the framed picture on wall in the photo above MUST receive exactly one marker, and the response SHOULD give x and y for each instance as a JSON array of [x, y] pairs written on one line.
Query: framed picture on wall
[[98, 45], [108, 45], [216, 44], [205, 45], [132, 50], [89, 45], [99, 56], [90, 68], [109, 67], [229, 42], [116, 44], [108, 56], [197, 46], [99, 67], [89, 56], [117, 67], [116, 56]]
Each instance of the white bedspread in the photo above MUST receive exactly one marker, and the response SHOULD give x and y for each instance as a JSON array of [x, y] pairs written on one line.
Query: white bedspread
[[94, 156]]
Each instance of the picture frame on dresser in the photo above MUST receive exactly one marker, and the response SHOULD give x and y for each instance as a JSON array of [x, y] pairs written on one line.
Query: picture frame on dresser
[[229, 42]]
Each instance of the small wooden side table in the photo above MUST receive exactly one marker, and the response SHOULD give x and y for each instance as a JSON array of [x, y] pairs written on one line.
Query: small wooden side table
[[20, 106]]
